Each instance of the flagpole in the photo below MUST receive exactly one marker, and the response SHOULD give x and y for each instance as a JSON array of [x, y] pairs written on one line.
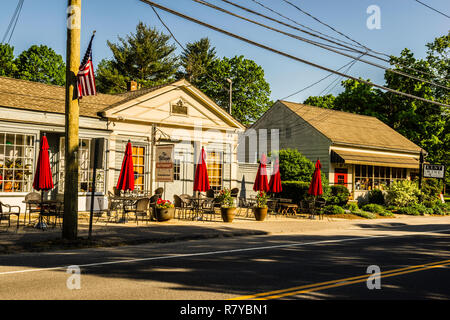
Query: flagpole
[[70, 221]]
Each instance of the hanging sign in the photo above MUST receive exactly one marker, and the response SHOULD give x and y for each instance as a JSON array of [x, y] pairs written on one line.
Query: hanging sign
[[434, 171], [164, 163]]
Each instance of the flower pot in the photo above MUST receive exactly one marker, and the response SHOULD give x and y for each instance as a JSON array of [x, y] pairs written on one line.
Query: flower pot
[[227, 214], [164, 214], [260, 213]]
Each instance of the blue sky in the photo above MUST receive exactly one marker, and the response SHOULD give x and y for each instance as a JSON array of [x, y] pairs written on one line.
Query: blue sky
[[404, 23]]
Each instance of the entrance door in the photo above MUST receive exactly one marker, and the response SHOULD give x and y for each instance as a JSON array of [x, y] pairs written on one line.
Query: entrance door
[[340, 176]]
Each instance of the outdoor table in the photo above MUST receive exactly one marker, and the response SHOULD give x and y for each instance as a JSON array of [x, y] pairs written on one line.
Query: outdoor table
[[46, 206], [197, 203], [127, 201]]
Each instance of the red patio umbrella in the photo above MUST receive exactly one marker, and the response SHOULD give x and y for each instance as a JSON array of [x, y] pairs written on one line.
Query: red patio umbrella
[[126, 178], [261, 183], [315, 187], [275, 179], [201, 182], [43, 180]]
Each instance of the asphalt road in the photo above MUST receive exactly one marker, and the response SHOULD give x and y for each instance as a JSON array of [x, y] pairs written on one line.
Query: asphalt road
[[414, 262]]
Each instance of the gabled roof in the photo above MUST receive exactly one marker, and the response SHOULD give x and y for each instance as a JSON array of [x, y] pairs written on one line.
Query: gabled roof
[[22, 94], [35, 96], [352, 129]]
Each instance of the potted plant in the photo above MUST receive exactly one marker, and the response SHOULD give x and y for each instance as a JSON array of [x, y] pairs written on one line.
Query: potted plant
[[227, 205], [260, 208], [164, 210]]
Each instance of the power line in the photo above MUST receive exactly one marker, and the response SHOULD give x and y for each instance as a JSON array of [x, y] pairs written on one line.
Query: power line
[[317, 82], [182, 47], [321, 45], [355, 50], [321, 22], [13, 22], [287, 55], [424, 4]]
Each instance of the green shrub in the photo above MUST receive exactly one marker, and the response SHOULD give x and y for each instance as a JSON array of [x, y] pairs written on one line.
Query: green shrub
[[386, 214], [376, 196], [431, 188], [351, 206], [402, 193], [294, 166], [415, 210], [333, 209], [364, 214], [338, 195], [438, 210], [295, 190], [372, 207]]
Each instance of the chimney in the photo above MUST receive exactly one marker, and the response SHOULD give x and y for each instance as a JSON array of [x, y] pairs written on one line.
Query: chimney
[[132, 86]]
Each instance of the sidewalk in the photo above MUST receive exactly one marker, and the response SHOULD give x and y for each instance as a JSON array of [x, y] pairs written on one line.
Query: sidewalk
[[113, 234]]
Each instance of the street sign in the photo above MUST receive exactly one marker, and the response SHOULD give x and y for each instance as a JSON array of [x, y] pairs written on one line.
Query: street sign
[[164, 163], [434, 171]]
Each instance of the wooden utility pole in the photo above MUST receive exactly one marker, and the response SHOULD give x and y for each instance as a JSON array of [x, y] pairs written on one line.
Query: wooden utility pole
[[70, 221]]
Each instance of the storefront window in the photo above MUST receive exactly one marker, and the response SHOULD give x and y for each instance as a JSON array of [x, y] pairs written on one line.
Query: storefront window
[[176, 170], [214, 164], [16, 162], [376, 177], [139, 167], [85, 172]]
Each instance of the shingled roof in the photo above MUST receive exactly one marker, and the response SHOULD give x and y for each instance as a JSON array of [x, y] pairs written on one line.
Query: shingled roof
[[22, 94], [352, 129]]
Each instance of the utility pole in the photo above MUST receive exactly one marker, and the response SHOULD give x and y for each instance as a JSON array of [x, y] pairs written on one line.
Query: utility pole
[[152, 157], [421, 160], [70, 221]]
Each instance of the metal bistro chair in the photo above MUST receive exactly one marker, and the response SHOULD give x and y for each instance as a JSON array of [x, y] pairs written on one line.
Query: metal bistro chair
[[244, 204], [153, 199], [142, 209], [6, 215], [32, 205], [319, 205], [234, 192], [187, 204], [207, 208]]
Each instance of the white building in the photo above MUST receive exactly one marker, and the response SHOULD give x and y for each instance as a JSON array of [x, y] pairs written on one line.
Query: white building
[[176, 113]]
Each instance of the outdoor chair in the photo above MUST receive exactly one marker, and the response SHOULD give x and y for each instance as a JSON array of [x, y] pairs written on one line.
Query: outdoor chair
[[112, 211], [6, 214], [207, 208], [32, 205], [182, 205], [159, 191], [210, 193], [142, 209], [319, 205], [153, 199], [244, 204], [234, 192], [53, 210]]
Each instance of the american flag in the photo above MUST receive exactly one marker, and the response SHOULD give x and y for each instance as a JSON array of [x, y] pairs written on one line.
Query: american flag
[[86, 76]]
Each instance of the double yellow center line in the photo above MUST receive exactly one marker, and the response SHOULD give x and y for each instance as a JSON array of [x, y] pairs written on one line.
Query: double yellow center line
[[341, 282]]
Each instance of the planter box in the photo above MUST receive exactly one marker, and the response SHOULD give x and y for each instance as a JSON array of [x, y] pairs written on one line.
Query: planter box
[[227, 214], [260, 213], [164, 214]]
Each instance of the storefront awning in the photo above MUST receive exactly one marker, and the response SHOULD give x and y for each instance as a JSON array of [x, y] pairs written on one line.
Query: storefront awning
[[374, 159]]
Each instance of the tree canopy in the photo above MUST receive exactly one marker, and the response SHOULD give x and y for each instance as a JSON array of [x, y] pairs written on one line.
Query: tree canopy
[[38, 63], [196, 59], [251, 91], [425, 124], [145, 56]]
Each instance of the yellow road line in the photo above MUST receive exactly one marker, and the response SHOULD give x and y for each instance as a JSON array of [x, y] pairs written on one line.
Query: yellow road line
[[337, 281], [351, 282]]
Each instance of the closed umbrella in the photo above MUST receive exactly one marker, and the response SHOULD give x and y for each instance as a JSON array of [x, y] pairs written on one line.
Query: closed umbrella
[[201, 182], [275, 179], [43, 180], [261, 183], [315, 188], [126, 178]]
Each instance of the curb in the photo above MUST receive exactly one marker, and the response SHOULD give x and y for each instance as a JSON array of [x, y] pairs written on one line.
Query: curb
[[105, 242]]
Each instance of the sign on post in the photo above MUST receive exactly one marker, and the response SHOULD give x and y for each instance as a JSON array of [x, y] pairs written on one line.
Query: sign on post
[[164, 163], [434, 171]]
